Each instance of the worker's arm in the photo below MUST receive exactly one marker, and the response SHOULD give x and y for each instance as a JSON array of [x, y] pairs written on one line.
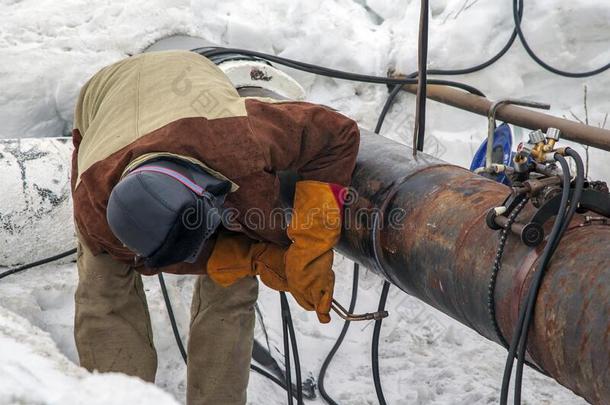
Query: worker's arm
[[321, 145]]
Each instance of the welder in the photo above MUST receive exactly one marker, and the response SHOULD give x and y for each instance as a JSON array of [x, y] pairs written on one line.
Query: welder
[[174, 172]]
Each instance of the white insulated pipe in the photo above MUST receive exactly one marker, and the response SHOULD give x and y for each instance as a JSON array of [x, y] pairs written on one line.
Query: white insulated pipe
[[35, 204]]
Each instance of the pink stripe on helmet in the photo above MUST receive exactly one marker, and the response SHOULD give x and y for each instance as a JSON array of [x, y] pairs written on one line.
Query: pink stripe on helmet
[[173, 174]]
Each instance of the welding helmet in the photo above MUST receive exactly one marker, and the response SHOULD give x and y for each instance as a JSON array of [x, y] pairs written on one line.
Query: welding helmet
[[166, 210]]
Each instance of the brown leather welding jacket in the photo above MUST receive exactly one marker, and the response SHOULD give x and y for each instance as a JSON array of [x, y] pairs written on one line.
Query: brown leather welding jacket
[[179, 103]]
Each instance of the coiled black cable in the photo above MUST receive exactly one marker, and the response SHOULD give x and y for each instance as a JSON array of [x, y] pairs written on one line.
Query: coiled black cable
[[518, 18]]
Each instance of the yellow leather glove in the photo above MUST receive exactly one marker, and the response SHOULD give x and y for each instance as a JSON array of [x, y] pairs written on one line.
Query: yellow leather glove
[[236, 256], [269, 265], [314, 229]]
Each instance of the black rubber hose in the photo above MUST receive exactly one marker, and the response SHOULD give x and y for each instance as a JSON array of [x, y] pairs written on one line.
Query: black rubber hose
[[546, 255], [209, 52], [481, 66], [333, 351], [375, 345], [297, 361], [268, 375], [386, 285], [262, 356], [518, 17], [37, 263], [578, 186], [178, 339], [287, 316], [287, 365], [421, 97], [324, 71], [537, 282], [386, 107], [172, 317]]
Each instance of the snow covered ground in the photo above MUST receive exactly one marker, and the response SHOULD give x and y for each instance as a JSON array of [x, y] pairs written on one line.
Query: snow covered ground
[[48, 50], [35, 372]]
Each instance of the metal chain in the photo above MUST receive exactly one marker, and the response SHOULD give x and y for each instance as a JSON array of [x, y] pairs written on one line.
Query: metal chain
[[491, 288]]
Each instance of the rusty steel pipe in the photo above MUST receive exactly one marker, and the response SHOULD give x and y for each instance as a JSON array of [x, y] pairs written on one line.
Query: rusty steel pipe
[[571, 130], [420, 223]]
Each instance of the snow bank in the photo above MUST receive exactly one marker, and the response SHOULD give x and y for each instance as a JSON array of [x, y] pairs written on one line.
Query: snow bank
[[35, 372]]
